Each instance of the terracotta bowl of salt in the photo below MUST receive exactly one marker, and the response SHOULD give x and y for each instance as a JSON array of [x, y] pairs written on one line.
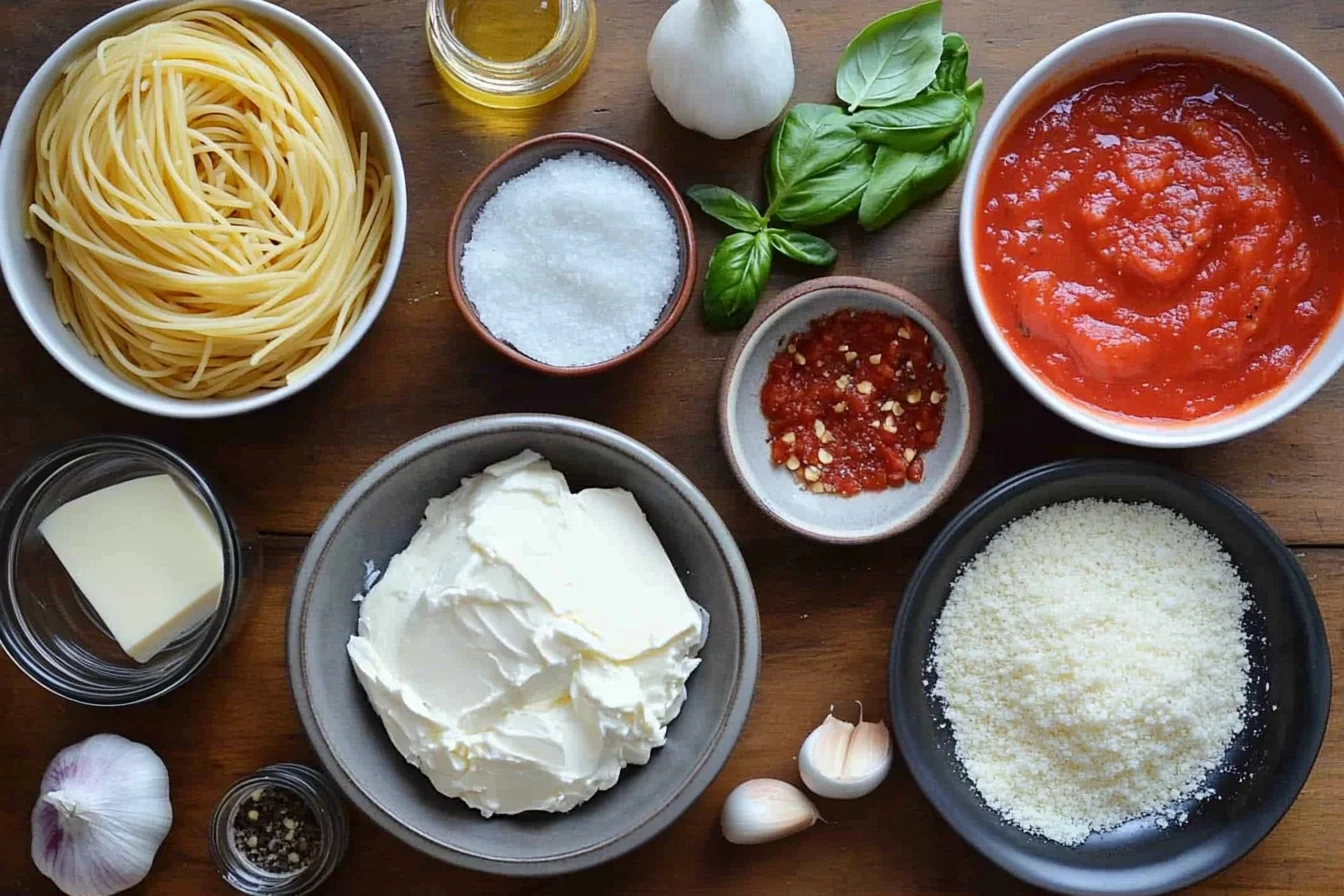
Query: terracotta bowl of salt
[[533, 295]]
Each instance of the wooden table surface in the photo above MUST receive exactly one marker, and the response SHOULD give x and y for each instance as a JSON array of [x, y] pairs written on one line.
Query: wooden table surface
[[826, 612]]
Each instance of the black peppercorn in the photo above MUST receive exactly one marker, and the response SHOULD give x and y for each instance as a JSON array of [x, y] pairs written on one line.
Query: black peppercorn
[[274, 830]]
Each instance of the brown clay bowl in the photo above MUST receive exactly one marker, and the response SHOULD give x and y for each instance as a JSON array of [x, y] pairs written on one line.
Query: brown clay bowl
[[868, 516], [526, 156]]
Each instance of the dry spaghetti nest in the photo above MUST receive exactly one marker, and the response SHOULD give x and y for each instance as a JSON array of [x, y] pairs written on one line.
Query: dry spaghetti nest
[[213, 223]]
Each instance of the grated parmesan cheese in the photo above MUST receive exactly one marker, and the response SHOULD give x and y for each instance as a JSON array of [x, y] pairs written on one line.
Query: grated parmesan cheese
[[1092, 663]]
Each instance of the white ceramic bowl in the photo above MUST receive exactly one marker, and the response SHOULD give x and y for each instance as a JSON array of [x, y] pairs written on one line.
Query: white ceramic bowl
[[1181, 34], [24, 265]]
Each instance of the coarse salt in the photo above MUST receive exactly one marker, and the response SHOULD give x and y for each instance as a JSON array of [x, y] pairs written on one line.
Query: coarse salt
[[572, 262], [1092, 662]]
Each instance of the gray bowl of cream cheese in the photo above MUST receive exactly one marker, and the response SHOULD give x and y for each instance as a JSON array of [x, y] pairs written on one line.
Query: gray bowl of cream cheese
[[376, 519]]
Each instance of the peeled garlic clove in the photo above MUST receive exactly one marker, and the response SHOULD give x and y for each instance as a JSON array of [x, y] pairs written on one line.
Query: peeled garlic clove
[[826, 748], [763, 809], [843, 761], [101, 815]]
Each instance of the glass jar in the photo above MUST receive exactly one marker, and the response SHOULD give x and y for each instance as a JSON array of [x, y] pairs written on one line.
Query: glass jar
[[522, 84], [318, 794], [48, 627]]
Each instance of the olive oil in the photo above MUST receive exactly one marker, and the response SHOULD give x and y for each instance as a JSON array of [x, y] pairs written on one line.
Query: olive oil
[[511, 54], [503, 30]]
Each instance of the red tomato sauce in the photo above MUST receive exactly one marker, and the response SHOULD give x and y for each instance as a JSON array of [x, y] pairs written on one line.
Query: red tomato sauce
[[854, 403], [1164, 238]]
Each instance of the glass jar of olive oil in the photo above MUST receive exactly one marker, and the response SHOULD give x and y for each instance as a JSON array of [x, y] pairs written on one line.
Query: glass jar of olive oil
[[511, 54]]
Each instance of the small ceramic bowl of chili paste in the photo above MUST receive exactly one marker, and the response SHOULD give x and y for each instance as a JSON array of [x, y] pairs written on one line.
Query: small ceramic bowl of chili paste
[[848, 409]]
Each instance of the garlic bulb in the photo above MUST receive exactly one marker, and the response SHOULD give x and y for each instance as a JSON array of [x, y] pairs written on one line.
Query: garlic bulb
[[763, 809], [721, 67], [102, 814], [843, 761]]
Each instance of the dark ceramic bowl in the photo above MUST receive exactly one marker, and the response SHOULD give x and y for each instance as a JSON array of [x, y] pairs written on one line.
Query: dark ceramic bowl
[[375, 519], [523, 158], [1266, 765]]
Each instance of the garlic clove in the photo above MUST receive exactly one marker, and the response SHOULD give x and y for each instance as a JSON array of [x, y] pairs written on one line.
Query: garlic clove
[[102, 814], [869, 752], [763, 809], [844, 761], [827, 747]]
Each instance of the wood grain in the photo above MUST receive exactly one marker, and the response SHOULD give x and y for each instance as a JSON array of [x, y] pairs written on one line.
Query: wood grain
[[826, 612]]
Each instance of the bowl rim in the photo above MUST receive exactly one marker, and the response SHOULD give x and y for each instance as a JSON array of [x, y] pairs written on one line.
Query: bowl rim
[[966, 449], [1032, 86], [676, 303], [91, 370], [918, 591], [724, 739]]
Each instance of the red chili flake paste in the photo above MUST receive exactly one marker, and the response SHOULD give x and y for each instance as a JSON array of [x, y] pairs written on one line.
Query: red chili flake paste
[[854, 403]]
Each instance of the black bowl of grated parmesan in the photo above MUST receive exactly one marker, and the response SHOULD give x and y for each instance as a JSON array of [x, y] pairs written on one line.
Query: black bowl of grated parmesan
[[1109, 677]]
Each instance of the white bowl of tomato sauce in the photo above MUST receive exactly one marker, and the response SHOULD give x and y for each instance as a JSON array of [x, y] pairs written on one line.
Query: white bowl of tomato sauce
[[1152, 231]]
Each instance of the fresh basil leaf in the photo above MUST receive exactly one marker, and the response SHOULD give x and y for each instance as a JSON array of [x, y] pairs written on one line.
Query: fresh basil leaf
[[828, 195], [808, 140], [892, 59], [975, 98], [802, 247], [737, 273], [731, 208], [816, 168], [951, 74], [892, 188], [902, 179], [957, 150], [919, 125], [954, 158]]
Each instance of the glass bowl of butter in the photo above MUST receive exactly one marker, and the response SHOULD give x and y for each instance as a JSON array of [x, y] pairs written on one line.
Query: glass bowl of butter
[[124, 574]]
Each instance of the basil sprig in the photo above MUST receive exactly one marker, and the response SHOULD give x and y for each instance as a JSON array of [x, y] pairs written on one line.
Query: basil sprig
[[740, 264], [904, 137]]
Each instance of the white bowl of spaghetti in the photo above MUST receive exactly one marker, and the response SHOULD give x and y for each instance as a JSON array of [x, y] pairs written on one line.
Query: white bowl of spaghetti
[[179, 228]]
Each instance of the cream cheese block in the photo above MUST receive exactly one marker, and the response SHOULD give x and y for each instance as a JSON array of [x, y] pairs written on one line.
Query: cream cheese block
[[530, 642], [146, 556]]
